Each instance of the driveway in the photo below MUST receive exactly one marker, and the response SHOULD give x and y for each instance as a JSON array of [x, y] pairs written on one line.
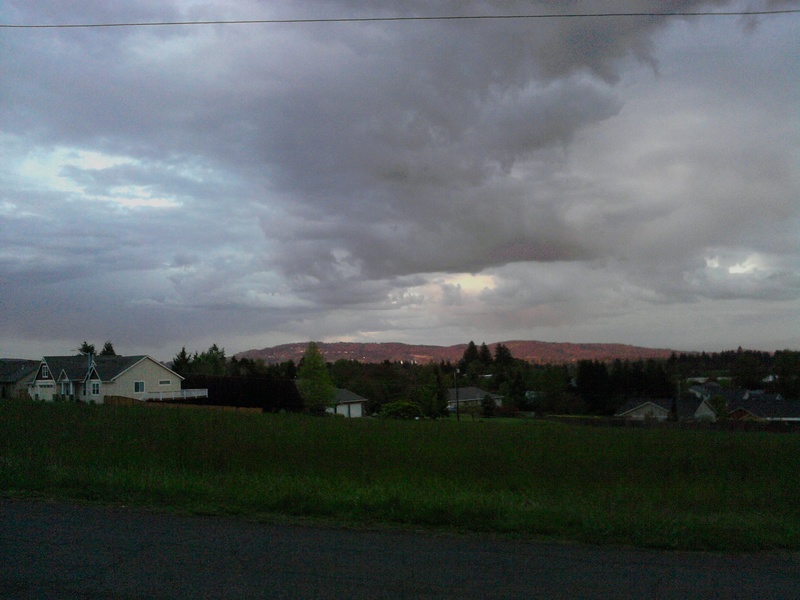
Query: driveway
[[63, 550]]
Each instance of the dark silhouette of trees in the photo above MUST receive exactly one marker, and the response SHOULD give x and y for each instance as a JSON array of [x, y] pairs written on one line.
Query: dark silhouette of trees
[[594, 386], [787, 372], [502, 356], [485, 355], [749, 369], [86, 348], [182, 363], [108, 349], [470, 356], [487, 406], [210, 362]]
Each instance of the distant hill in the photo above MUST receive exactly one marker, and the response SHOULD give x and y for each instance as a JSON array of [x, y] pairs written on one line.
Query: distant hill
[[532, 351]]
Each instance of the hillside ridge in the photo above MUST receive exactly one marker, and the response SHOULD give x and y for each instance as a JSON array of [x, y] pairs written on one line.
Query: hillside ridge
[[529, 350]]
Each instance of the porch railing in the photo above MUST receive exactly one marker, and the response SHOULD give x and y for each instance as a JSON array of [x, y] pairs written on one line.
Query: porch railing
[[175, 395]]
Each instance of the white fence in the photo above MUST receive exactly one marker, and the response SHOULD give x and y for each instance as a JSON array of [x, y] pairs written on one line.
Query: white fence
[[176, 395]]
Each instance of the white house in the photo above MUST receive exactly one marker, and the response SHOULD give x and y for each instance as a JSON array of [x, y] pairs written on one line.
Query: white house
[[91, 378], [660, 409], [657, 409], [348, 404]]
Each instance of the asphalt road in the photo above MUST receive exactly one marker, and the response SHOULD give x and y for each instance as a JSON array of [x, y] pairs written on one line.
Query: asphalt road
[[61, 550]]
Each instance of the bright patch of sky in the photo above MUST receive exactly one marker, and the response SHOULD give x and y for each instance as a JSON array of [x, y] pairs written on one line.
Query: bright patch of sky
[[48, 169]]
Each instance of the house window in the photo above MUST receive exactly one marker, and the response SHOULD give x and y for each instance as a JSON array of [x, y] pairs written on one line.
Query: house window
[[45, 372], [95, 388], [164, 382], [138, 387]]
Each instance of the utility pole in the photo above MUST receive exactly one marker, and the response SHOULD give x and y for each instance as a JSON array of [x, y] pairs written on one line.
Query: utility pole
[[458, 407], [676, 401]]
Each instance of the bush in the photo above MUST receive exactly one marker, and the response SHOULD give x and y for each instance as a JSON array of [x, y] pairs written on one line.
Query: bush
[[401, 409], [487, 406]]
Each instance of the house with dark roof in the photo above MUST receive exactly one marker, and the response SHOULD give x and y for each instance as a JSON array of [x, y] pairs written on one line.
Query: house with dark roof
[[15, 375], [348, 404], [60, 377], [765, 407], [89, 378], [660, 409], [470, 396], [707, 390]]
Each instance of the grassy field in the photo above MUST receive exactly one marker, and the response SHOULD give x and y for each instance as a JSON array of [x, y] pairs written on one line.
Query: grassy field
[[656, 488]]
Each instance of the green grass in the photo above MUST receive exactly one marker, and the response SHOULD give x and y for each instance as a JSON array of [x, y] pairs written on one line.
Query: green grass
[[655, 488]]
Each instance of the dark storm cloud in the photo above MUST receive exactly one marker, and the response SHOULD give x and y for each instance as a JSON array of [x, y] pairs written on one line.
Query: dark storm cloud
[[346, 176]]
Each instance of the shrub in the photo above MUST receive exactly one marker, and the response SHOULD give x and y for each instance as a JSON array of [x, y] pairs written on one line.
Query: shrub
[[487, 406], [401, 409]]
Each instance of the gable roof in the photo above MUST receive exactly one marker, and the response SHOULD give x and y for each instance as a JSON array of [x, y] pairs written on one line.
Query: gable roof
[[470, 393], [13, 370], [768, 408], [686, 407], [707, 389], [107, 368], [634, 403], [347, 397], [111, 367], [73, 368]]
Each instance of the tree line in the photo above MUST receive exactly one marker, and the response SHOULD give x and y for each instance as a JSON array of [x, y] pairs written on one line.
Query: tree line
[[584, 387]]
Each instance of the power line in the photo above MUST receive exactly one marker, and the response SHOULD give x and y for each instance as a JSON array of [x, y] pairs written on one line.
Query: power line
[[394, 19]]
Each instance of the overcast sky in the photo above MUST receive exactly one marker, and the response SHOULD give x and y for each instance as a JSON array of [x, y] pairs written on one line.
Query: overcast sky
[[616, 179]]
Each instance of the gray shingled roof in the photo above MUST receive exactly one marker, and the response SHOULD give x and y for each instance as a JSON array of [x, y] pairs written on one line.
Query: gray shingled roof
[[74, 367], [470, 393], [346, 396], [109, 367], [768, 408], [13, 370], [733, 396], [687, 407]]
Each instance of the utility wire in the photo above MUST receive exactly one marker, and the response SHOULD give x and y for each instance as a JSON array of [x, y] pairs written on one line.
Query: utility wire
[[393, 19]]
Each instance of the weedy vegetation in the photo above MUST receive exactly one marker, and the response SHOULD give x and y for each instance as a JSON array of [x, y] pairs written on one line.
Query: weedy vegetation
[[661, 488]]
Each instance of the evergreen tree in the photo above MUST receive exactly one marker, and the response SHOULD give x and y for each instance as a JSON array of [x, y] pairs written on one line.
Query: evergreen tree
[[289, 369], [86, 348], [211, 362], [485, 355], [431, 391], [594, 386], [182, 363], [314, 381], [502, 356], [470, 356], [515, 391], [787, 370], [108, 350], [748, 369]]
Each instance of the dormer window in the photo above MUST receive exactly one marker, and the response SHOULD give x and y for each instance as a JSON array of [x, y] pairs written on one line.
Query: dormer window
[[45, 372]]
